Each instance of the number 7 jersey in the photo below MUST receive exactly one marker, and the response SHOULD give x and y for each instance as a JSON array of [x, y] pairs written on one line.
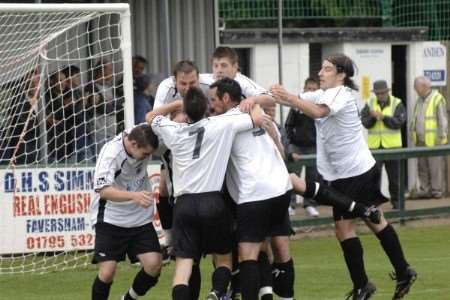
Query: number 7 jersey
[[201, 150]]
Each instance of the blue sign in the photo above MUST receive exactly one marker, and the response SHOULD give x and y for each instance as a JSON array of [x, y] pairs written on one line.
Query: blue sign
[[435, 75]]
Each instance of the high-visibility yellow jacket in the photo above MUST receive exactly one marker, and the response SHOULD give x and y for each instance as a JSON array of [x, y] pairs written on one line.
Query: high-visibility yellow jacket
[[431, 122], [379, 134]]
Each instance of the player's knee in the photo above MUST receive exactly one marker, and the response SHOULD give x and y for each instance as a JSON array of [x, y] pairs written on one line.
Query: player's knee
[[106, 271], [152, 265], [106, 275], [280, 246]]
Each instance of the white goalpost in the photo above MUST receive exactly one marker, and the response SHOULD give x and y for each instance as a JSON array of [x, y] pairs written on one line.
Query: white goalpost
[[65, 89]]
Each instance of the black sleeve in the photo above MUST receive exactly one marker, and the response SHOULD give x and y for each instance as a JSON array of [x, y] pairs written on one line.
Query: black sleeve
[[398, 119], [366, 119]]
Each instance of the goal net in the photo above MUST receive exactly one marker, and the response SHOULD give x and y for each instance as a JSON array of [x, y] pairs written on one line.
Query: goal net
[[65, 72]]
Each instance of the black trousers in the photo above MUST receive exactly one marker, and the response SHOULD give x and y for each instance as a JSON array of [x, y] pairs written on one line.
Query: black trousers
[[393, 173]]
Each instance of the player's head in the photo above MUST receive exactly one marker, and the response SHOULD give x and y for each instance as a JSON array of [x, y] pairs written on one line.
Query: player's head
[[195, 104], [139, 63], [185, 73], [141, 141], [337, 70], [311, 85], [422, 85], [225, 62], [225, 94]]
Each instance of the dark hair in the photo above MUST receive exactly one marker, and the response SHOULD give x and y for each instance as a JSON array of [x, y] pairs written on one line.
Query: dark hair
[[195, 104], [144, 136], [312, 80], [226, 52], [139, 58], [184, 66], [344, 64], [70, 70], [229, 86]]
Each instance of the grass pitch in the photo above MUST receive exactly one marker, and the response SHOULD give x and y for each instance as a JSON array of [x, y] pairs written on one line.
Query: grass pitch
[[319, 267]]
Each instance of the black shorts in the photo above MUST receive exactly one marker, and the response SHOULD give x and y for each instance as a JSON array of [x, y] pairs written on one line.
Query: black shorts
[[201, 225], [284, 228], [364, 188], [256, 220], [114, 242]]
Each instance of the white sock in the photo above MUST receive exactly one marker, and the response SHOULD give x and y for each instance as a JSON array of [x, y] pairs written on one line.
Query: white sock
[[264, 291], [133, 293]]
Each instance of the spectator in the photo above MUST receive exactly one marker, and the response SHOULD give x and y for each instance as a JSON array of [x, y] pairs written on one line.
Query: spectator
[[56, 103], [20, 119], [383, 116], [139, 64], [429, 128], [105, 124], [143, 100], [301, 134], [79, 115]]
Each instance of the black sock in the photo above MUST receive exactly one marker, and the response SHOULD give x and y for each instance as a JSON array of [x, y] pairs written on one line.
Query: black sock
[[283, 279], [100, 289], [267, 297], [235, 278], [180, 292], [220, 280], [195, 282], [353, 254], [165, 211], [391, 244], [235, 281], [249, 279], [265, 273], [141, 284]]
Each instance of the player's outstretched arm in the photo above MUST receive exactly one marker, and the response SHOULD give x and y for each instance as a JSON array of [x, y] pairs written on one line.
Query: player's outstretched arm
[[143, 198], [310, 109], [264, 100], [164, 110]]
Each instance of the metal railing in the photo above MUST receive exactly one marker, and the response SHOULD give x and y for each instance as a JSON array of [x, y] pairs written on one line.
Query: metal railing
[[386, 154]]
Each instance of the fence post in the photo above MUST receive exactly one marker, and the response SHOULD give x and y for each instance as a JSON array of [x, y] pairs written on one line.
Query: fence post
[[401, 191]]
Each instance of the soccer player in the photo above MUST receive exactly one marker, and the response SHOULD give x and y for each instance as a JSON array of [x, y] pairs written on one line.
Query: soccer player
[[202, 221], [185, 75], [344, 159], [258, 182], [122, 212]]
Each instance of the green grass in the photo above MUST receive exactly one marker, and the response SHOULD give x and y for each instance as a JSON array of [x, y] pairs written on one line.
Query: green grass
[[319, 267]]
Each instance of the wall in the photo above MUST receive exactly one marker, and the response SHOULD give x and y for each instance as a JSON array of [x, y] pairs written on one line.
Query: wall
[[264, 66]]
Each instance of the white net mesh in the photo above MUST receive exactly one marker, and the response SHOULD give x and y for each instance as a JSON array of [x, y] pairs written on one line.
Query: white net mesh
[[61, 99]]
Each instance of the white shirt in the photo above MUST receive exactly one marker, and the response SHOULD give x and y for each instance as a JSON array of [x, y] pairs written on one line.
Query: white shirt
[[167, 91], [342, 151], [116, 168], [256, 170], [200, 151], [249, 87]]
